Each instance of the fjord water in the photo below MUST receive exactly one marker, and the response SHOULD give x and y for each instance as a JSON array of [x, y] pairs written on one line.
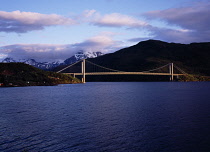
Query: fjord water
[[106, 117]]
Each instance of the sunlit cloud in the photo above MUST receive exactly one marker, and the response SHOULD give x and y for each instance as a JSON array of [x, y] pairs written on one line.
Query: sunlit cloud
[[118, 20], [40, 52], [22, 22], [89, 13], [192, 17], [113, 20], [138, 39], [186, 24], [193, 22], [102, 42], [2, 56], [183, 25]]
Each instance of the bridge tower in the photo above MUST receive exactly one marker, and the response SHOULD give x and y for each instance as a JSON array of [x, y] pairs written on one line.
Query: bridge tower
[[83, 71], [171, 71]]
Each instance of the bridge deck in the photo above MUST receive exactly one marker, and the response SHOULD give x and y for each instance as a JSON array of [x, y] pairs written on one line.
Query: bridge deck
[[123, 73]]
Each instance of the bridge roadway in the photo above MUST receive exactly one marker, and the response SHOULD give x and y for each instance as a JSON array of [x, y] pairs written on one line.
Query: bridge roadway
[[123, 73]]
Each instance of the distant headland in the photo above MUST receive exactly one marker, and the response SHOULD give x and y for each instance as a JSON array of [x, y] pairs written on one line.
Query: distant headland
[[20, 74]]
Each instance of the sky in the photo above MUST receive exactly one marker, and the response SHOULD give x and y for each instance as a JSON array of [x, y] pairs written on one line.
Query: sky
[[54, 30]]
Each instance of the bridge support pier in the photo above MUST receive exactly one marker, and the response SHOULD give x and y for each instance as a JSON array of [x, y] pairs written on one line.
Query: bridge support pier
[[74, 75], [83, 71], [171, 71]]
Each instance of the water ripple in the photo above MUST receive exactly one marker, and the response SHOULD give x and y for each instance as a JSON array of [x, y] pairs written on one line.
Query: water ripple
[[106, 117]]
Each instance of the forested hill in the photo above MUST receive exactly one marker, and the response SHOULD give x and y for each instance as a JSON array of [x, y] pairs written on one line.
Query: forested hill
[[20, 74], [193, 58]]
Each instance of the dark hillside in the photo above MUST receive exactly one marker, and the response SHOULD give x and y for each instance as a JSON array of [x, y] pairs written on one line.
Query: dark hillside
[[20, 74], [192, 58]]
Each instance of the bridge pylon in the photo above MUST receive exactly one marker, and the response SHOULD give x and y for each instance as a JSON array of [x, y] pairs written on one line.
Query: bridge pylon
[[83, 71], [171, 71]]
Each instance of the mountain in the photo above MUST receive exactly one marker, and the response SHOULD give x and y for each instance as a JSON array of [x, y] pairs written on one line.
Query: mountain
[[50, 65], [80, 55], [192, 58], [20, 74], [40, 65], [8, 60], [146, 55]]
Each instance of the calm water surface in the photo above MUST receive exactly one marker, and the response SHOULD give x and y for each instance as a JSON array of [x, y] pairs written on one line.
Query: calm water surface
[[106, 117]]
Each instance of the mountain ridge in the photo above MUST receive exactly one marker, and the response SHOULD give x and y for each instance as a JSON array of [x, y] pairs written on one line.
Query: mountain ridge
[[192, 58], [21, 74], [154, 53], [50, 65]]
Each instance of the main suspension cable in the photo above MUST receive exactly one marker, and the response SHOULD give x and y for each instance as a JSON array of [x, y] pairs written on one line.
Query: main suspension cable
[[104, 67], [68, 66], [125, 71]]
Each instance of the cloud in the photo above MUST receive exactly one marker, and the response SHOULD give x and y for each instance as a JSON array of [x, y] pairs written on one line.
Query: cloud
[[173, 35], [88, 13], [184, 25], [138, 39], [103, 42], [53, 52], [118, 20], [113, 20], [193, 17], [40, 52], [2, 55], [192, 22], [22, 22]]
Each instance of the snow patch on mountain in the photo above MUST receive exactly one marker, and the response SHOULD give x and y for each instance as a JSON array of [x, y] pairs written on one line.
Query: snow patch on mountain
[[50, 65], [82, 55], [40, 65]]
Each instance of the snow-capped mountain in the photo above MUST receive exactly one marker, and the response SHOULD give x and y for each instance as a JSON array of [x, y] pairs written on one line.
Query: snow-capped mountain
[[80, 55], [40, 65], [50, 65], [8, 60]]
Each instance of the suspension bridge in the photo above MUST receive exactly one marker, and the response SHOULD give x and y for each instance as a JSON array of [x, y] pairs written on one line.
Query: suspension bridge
[[108, 71]]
